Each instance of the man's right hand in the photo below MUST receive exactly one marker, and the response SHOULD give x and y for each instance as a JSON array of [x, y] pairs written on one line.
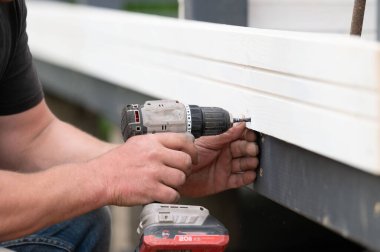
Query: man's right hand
[[146, 168]]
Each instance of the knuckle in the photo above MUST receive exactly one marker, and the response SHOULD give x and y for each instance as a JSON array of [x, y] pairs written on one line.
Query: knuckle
[[243, 163], [257, 150], [254, 136], [236, 164], [181, 178], [188, 138], [175, 178], [153, 140], [154, 172], [255, 162], [184, 137], [252, 149], [249, 178], [250, 135], [242, 146], [154, 154], [233, 146], [171, 196], [187, 161]]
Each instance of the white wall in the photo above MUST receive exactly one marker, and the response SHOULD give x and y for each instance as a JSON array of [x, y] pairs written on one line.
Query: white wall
[[332, 16]]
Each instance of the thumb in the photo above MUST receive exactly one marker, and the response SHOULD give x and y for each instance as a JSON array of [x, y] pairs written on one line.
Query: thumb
[[234, 133], [215, 142]]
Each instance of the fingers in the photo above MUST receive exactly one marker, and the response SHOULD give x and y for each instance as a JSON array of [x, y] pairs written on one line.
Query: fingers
[[216, 142], [238, 131], [180, 142], [177, 159], [241, 179], [241, 148], [248, 135], [244, 164], [164, 194], [233, 133], [173, 178]]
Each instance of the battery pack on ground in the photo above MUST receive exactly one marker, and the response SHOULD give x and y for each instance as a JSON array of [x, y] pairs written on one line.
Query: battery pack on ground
[[180, 228]]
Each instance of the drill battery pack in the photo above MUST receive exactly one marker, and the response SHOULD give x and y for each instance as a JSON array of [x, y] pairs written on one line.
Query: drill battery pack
[[180, 228]]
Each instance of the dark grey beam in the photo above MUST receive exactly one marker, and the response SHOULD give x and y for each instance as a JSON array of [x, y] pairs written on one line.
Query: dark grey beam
[[337, 196], [233, 12]]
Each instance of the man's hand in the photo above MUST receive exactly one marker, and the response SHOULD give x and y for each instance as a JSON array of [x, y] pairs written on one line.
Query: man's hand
[[225, 161], [147, 168]]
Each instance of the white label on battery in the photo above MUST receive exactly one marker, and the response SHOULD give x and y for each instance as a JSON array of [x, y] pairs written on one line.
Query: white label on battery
[[165, 218]]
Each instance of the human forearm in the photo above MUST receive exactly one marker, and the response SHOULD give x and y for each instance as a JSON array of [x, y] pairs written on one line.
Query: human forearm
[[37, 140], [61, 143], [30, 202]]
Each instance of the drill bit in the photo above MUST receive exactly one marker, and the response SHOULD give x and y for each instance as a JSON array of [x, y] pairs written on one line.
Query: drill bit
[[235, 120]]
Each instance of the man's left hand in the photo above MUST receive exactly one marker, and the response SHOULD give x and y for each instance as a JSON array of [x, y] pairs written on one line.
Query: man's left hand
[[225, 161]]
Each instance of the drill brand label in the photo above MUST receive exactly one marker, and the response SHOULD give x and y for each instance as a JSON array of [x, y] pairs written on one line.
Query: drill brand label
[[184, 238], [200, 239]]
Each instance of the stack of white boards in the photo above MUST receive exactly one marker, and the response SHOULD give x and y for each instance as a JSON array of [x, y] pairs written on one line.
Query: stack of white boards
[[316, 91]]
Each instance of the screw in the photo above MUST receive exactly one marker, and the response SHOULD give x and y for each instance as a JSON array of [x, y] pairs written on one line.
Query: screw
[[235, 120]]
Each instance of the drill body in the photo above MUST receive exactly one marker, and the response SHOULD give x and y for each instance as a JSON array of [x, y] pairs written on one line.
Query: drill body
[[173, 116]]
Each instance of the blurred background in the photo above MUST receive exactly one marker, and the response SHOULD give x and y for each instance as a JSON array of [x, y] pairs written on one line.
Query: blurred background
[[256, 223]]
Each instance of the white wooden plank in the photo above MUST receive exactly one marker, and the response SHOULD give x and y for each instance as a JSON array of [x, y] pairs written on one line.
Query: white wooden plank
[[335, 59], [324, 95], [305, 15], [327, 123], [358, 102]]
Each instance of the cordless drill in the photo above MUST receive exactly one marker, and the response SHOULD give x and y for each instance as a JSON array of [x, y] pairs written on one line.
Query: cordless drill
[[173, 116], [170, 227]]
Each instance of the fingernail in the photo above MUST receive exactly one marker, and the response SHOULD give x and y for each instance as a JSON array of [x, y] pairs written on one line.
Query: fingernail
[[190, 136], [238, 123], [178, 198]]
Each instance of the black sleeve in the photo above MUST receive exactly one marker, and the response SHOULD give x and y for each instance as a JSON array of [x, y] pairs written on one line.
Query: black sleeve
[[20, 86]]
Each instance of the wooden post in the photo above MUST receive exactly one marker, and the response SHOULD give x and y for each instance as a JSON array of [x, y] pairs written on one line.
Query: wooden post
[[358, 17]]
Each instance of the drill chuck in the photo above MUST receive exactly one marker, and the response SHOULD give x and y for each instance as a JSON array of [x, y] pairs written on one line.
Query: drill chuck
[[173, 116], [209, 121]]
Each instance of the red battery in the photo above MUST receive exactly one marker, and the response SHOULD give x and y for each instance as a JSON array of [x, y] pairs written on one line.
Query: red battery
[[171, 229]]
